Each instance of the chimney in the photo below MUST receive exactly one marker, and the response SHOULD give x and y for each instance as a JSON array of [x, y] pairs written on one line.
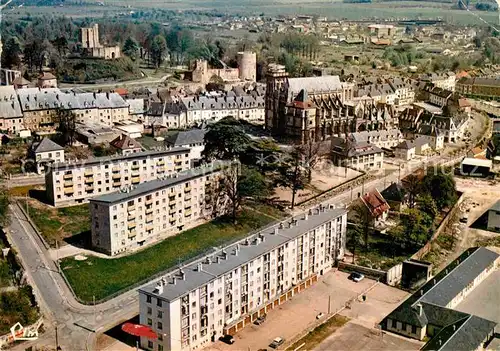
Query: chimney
[[217, 259], [200, 267], [182, 274], [262, 237], [107, 95], [94, 94], [421, 292], [159, 288], [419, 309], [236, 251], [276, 230], [306, 217], [454, 327], [174, 280]]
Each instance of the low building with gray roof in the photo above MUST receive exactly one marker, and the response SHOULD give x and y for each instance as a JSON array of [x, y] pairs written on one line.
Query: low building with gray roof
[[429, 311], [11, 115]]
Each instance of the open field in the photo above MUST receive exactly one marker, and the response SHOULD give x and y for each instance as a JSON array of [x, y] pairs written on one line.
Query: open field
[[332, 9], [59, 224], [101, 277]]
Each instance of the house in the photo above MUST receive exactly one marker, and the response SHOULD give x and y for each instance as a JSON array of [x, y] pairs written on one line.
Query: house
[[376, 205], [481, 87], [381, 138], [396, 196], [46, 152], [11, 115], [125, 145], [429, 312], [403, 89], [439, 96], [20, 83], [47, 80], [477, 152], [361, 156], [407, 149], [192, 139], [431, 135], [494, 217]]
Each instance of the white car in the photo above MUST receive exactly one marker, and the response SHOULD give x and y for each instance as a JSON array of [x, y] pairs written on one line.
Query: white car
[[320, 315], [356, 277]]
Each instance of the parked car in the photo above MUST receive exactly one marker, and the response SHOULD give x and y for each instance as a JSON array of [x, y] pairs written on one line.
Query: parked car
[[356, 277], [260, 320], [320, 315], [228, 339], [277, 342]]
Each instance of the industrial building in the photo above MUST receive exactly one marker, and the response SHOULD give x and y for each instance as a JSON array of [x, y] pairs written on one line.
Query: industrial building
[[231, 287], [75, 182], [429, 312], [137, 216]]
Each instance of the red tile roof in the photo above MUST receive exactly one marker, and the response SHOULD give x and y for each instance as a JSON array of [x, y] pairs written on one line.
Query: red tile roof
[[121, 91], [375, 203], [124, 142]]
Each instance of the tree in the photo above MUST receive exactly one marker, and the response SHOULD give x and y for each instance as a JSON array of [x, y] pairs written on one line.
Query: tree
[[4, 207], [415, 226], [61, 44], [229, 189], [131, 48], [427, 205], [442, 189], [252, 183], [310, 153], [291, 174], [412, 187], [354, 240], [225, 140], [66, 125], [158, 50], [364, 222], [34, 54], [11, 54]]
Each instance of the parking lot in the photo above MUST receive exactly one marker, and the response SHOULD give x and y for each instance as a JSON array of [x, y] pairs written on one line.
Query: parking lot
[[299, 313]]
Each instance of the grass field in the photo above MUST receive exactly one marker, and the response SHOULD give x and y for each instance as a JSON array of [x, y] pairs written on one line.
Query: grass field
[[320, 333], [103, 277], [58, 223]]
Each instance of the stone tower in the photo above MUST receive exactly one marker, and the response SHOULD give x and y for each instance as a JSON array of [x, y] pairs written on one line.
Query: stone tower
[[90, 37], [276, 78], [247, 65]]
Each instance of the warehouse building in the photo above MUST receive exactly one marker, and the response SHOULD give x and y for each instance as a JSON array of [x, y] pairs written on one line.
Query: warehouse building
[[75, 182], [231, 287]]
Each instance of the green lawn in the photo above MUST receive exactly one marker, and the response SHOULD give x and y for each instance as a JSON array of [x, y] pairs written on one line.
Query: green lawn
[[58, 223], [101, 277], [320, 333]]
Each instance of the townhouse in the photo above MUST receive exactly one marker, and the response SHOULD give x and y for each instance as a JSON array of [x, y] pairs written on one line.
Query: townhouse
[[139, 215], [404, 91], [381, 138], [231, 287], [11, 115], [359, 155], [75, 182], [446, 80]]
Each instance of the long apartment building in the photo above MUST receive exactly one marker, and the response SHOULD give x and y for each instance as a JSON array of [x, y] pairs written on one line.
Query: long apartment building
[[75, 182], [231, 287], [140, 215]]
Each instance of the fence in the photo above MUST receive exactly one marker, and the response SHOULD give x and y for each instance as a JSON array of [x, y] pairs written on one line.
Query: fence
[[369, 272]]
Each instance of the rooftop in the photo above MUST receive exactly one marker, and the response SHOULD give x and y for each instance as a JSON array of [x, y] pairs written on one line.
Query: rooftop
[[46, 145], [124, 142], [227, 259], [193, 136]]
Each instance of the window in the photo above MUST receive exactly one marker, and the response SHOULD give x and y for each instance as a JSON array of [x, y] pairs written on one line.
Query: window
[[148, 299], [150, 310], [160, 347], [160, 325], [158, 303], [413, 329], [160, 314], [150, 322], [150, 344]]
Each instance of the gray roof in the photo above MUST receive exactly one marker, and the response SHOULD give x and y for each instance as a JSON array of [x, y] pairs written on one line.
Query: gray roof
[[46, 145], [246, 251], [384, 135], [496, 206], [353, 148], [466, 334], [168, 181], [222, 102], [117, 158], [193, 136], [9, 104], [410, 144], [313, 85]]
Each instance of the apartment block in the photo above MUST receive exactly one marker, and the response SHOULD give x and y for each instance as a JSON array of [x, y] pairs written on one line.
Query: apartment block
[[230, 288], [140, 215], [75, 182]]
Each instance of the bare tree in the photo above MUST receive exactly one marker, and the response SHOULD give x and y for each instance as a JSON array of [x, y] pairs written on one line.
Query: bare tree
[[66, 125], [229, 183], [291, 174], [310, 153]]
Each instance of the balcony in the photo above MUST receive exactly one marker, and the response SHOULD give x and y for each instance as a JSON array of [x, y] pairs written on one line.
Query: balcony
[[149, 201], [172, 221], [117, 176], [149, 219], [117, 184], [68, 183], [131, 216], [187, 198], [172, 211], [88, 173], [89, 180], [89, 188], [116, 169], [132, 234], [149, 210], [131, 208], [131, 225], [160, 170], [135, 167], [160, 163], [171, 200], [68, 191], [136, 174], [68, 176], [188, 213], [187, 189], [136, 180], [149, 227]]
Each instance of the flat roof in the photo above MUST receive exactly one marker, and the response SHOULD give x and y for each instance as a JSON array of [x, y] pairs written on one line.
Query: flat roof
[[116, 158], [239, 253], [471, 161], [157, 184]]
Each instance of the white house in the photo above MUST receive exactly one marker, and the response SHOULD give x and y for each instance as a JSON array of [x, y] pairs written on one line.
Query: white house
[[46, 152]]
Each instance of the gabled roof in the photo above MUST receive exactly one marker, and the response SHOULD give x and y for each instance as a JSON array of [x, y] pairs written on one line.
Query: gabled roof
[[375, 203], [46, 76], [193, 136], [46, 145], [20, 81], [394, 192], [124, 142]]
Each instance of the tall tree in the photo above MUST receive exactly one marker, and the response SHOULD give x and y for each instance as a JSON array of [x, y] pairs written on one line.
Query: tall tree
[[66, 125], [416, 226], [364, 222], [225, 140], [354, 240], [11, 53], [158, 50], [412, 187], [131, 48], [291, 174], [442, 188], [310, 153], [4, 207], [427, 205]]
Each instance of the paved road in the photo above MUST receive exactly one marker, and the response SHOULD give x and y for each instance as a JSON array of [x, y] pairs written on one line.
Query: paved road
[[76, 322]]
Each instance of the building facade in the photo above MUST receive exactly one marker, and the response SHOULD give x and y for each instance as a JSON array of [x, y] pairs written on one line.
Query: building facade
[[46, 152], [76, 182], [140, 215], [494, 217], [482, 87], [230, 288]]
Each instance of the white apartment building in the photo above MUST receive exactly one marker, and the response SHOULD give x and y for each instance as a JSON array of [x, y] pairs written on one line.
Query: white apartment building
[[405, 94], [75, 182], [140, 215], [446, 80], [231, 287]]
